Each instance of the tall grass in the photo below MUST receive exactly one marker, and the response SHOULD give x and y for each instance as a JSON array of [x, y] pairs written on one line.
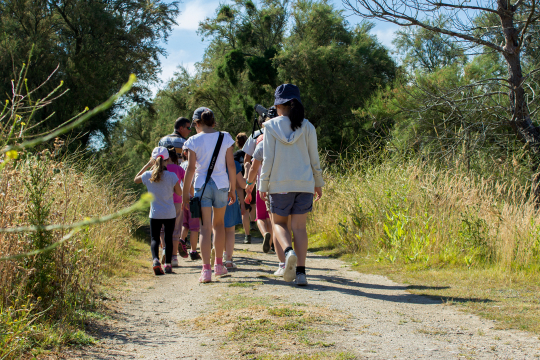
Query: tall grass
[[42, 297], [417, 212]]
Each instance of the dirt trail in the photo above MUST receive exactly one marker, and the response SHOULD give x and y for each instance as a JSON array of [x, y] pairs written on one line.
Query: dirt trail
[[363, 316]]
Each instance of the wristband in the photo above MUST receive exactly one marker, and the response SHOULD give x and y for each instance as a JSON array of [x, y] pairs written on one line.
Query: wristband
[[249, 184]]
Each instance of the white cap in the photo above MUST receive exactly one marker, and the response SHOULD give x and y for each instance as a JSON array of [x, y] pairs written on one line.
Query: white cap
[[160, 151]]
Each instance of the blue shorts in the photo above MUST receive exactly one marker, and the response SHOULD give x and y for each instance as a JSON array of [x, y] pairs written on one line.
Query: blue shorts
[[213, 197], [233, 214], [293, 203]]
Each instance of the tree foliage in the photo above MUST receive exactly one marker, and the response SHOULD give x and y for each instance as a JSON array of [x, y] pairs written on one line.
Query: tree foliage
[[97, 43]]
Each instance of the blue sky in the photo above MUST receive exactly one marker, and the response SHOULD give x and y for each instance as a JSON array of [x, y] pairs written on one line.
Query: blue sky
[[185, 47]]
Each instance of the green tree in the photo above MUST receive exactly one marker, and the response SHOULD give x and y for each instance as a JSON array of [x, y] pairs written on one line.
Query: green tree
[[427, 50], [97, 44], [336, 67]]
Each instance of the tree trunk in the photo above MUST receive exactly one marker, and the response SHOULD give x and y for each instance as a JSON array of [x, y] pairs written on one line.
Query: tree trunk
[[521, 121]]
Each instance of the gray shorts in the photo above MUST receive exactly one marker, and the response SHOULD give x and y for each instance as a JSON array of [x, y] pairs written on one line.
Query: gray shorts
[[293, 203]]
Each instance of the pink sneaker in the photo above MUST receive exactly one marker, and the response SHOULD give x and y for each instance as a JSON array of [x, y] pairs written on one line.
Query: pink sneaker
[[206, 276], [220, 270]]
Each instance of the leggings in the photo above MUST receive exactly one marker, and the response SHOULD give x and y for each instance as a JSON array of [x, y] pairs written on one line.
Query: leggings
[[155, 229]]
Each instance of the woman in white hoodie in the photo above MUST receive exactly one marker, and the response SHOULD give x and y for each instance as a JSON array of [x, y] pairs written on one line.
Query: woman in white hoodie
[[291, 175]]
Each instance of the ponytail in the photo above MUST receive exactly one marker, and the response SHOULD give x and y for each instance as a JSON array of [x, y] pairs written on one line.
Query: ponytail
[[173, 155], [157, 170], [296, 113]]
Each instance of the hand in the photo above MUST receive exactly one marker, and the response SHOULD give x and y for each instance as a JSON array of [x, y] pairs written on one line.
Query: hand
[[247, 199], [232, 197], [249, 188], [318, 193], [263, 195], [185, 204]]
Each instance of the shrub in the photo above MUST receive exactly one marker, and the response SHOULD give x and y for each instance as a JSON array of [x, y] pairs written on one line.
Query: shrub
[[39, 190]]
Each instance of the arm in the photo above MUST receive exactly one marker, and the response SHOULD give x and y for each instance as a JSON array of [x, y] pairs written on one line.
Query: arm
[[178, 189], [240, 181], [315, 162], [188, 180], [268, 162], [253, 174], [138, 177], [232, 177], [247, 164]]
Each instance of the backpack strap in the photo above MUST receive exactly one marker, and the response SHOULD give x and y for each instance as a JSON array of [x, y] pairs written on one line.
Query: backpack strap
[[213, 161]]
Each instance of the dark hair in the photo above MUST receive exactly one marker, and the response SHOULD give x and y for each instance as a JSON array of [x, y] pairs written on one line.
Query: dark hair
[[296, 113], [241, 140], [172, 154], [184, 154], [181, 122], [207, 118]]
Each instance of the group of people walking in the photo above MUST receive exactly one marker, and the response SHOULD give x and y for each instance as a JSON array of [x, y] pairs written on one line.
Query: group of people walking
[[200, 193]]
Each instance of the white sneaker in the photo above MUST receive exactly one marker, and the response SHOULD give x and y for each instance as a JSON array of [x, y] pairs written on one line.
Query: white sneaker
[[174, 261], [289, 273], [301, 280], [230, 265], [279, 272]]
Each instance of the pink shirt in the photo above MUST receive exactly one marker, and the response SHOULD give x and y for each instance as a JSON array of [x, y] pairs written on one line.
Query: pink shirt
[[180, 173]]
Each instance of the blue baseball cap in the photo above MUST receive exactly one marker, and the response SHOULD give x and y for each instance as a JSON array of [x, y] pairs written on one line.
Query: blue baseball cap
[[197, 113], [285, 93]]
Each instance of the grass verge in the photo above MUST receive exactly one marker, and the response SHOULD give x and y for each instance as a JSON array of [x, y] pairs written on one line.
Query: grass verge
[[510, 298], [254, 329]]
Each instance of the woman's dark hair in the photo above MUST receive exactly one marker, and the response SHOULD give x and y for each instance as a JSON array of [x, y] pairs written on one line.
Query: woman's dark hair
[[207, 118], [296, 113], [241, 139], [172, 155]]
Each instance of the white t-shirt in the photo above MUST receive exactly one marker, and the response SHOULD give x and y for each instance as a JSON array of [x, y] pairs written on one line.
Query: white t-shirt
[[251, 143], [203, 145]]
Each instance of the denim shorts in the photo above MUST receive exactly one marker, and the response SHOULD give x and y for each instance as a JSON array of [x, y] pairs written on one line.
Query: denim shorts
[[293, 203], [213, 197]]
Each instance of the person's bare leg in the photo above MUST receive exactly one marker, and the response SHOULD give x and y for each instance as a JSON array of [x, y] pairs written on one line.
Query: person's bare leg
[[281, 230], [177, 226], [194, 237], [206, 235], [298, 225], [184, 234], [245, 216], [219, 230], [264, 226], [229, 242]]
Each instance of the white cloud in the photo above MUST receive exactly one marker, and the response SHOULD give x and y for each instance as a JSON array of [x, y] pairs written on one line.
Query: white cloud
[[194, 12], [385, 34]]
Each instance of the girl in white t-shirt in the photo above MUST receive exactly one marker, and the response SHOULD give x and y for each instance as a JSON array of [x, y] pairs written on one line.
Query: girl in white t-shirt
[[220, 189]]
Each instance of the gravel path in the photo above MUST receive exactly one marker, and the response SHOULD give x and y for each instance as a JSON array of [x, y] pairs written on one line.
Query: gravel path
[[379, 318]]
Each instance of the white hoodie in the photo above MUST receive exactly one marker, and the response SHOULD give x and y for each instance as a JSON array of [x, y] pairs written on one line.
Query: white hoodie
[[291, 159]]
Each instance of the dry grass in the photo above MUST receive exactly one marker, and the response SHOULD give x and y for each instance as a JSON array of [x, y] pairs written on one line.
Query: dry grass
[[417, 213], [68, 281], [253, 329]]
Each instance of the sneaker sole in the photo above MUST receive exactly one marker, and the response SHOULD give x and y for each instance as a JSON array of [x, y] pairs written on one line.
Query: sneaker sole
[[290, 268], [158, 270], [266, 243]]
